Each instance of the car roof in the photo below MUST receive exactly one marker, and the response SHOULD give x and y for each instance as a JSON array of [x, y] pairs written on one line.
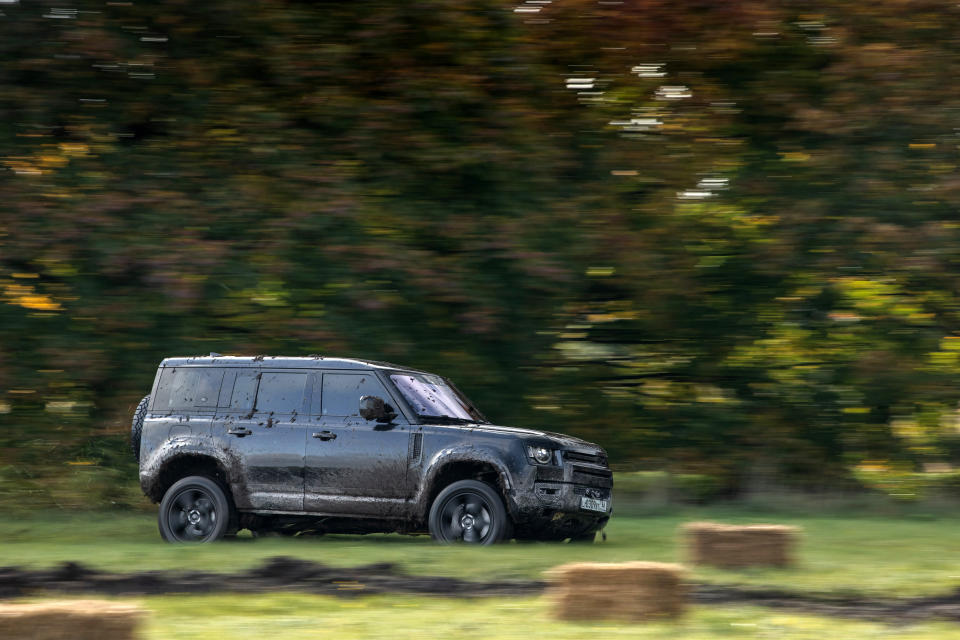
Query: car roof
[[282, 362]]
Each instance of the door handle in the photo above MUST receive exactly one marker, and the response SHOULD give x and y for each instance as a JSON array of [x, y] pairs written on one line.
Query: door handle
[[239, 432], [325, 435]]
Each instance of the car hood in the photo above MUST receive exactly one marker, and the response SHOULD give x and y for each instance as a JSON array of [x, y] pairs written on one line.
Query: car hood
[[558, 438]]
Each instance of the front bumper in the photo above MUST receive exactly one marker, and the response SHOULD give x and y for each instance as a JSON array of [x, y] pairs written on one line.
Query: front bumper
[[567, 498], [548, 501]]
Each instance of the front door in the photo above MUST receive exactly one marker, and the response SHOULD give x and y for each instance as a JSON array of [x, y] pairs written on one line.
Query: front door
[[354, 466], [263, 429]]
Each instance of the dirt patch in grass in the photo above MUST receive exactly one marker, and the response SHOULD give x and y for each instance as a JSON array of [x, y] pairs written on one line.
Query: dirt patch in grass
[[276, 574], [292, 574], [889, 610]]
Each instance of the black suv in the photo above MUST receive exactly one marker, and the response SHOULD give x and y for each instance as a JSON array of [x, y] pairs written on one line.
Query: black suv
[[297, 445]]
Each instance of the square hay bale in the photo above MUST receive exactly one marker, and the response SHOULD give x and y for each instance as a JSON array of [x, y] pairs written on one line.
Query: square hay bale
[[732, 546], [70, 620], [629, 591]]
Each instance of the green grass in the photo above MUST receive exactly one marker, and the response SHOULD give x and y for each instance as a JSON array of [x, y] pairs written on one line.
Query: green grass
[[866, 554], [878, 555], [301, 617]]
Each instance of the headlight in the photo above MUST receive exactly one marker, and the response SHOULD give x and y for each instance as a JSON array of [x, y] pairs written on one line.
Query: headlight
[[541, 455]]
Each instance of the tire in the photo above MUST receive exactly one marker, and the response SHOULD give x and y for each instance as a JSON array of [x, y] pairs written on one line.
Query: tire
[[194, 509], [469, 511], [136, 428]]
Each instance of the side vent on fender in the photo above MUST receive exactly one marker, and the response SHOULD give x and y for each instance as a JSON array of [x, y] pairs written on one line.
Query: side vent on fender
[[416, 447]]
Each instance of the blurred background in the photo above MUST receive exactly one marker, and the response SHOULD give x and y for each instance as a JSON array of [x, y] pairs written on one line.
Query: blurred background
[[718, 238]]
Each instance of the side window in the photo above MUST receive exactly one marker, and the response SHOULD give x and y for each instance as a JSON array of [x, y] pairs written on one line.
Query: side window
[[342, 392], [280, 392], [187, 388], [207, 389], [243, 391]]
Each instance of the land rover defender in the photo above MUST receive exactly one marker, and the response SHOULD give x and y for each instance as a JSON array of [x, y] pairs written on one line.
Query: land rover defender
[[323, 445]]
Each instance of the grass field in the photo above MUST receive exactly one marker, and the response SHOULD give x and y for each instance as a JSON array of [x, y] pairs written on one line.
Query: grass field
[[305, 617], [863, 554], [912, 554], [295, 617]]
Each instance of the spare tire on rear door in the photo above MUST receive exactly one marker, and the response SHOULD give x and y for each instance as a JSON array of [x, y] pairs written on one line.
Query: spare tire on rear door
[[136, 429]]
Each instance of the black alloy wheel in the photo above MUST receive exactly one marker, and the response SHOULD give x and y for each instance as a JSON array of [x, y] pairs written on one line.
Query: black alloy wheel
[[469, 511], [194, 509]]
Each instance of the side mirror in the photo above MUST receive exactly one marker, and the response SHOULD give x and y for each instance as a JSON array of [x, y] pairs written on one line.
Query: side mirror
[[374, 408]]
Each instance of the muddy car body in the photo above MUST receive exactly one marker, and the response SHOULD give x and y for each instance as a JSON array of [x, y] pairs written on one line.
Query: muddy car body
[[339, 445]]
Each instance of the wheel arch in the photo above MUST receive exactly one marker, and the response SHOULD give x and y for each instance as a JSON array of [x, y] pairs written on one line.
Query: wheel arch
[[183, 465], [461, 465]]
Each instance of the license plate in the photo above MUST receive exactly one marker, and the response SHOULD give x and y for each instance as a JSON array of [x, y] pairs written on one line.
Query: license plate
[[590, 504]]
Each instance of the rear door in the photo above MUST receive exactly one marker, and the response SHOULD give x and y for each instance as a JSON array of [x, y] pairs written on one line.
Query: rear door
[[260, 424], [354, 466]]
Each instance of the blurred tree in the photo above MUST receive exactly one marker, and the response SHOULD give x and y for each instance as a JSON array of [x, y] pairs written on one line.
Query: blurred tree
[[716, 236]]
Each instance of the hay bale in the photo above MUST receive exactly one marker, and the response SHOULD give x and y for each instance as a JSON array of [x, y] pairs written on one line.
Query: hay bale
[[730, 546], [70, 620], [628, 591]]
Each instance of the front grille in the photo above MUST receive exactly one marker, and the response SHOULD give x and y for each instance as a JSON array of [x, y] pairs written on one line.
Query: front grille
[[592, 477], [549, 474], [581, 456]]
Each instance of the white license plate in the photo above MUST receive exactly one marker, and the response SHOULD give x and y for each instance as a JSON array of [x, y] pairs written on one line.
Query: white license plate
[[590, 504]]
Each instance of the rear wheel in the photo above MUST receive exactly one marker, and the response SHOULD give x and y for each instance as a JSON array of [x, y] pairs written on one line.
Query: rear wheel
[[469, 511], [194, 509]]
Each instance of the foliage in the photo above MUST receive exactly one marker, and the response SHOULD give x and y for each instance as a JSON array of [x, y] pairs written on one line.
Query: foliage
[[717, 238], [909, 486], [664, 487]]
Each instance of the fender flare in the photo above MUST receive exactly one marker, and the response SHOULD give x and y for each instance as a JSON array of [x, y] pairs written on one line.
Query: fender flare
[[464, 453], [152, 469]]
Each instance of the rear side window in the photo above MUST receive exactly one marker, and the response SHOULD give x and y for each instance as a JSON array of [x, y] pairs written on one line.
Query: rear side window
[[280, 392], [341, 393], [244, 390], [188, 388], [239, 390]]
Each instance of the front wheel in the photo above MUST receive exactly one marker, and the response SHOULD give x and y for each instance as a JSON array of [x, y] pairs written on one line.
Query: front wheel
[[469, 511], [194, 509]]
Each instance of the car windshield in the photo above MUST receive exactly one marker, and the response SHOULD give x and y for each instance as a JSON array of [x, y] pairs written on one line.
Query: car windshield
[[433, 399]]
